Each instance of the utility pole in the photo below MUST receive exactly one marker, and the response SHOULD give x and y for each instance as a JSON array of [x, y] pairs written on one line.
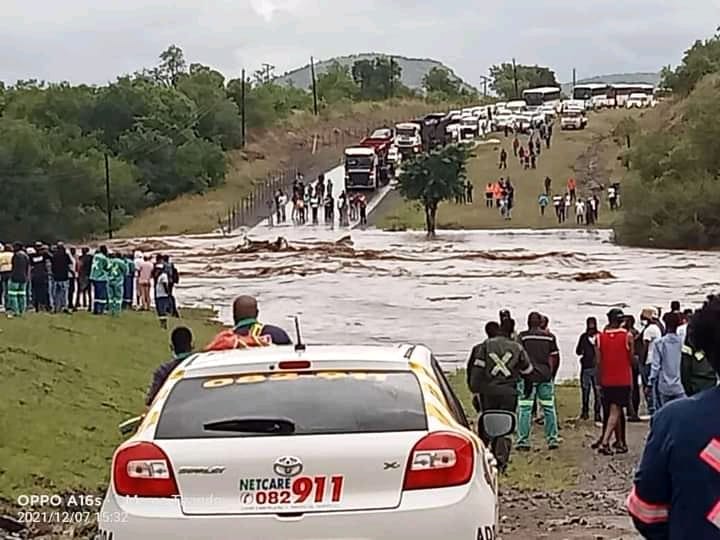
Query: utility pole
[[574, 79], [314, 85], [107, 195], [485, 83], [242, 108], [515, 79], [392, 77]]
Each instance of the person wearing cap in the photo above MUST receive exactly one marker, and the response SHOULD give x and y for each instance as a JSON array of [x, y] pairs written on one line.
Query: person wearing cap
[[506, 316], [652, 330], [614, 351], [676, 492]]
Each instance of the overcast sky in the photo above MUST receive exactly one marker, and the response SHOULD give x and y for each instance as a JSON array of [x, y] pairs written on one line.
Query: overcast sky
[[95, 40]]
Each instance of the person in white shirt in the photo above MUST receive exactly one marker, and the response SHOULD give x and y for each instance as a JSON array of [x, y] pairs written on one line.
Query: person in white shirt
[[580, 211], [651, 331]]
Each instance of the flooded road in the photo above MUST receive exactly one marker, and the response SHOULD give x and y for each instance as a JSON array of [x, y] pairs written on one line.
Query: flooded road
[[398, 287]]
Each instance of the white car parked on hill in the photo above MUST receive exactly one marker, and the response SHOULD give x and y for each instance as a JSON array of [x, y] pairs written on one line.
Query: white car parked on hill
[[324, 443]]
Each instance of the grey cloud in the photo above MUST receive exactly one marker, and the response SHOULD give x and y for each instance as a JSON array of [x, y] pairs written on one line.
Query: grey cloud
[[93, 41]]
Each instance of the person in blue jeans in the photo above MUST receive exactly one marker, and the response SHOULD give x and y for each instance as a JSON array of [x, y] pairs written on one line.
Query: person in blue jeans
[[585, 349], [61, 266], [665, 371]]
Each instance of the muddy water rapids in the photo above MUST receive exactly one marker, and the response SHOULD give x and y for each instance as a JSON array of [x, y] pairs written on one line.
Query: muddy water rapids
[[381, 287]]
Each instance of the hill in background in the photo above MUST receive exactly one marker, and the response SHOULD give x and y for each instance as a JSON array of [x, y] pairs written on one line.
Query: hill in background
[[617, 78], [413, 69]]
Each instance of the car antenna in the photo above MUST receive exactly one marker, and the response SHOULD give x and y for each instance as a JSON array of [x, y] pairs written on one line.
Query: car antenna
[[299, 346]]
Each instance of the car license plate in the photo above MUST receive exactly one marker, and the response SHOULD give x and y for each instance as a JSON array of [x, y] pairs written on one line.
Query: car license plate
[[301, 492]]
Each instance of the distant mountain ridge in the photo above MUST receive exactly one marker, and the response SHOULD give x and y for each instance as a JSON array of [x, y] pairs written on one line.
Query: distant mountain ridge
[[413, 69], [617, 78]]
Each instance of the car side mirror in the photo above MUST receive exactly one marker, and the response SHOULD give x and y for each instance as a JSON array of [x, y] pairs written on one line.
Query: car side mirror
[[496, 424], [130, 426]]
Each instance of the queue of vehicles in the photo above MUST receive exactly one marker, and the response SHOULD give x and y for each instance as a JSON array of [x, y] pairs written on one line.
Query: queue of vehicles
[[375, 160]]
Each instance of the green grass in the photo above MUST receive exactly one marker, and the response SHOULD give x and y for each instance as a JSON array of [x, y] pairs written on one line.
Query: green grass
[[67, 382], [558, 162], [541, 468]]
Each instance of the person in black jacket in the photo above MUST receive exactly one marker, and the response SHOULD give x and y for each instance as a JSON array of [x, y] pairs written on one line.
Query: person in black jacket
[[585, 349]]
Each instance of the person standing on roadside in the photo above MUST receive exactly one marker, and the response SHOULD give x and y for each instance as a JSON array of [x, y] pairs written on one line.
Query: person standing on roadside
[[665, 364], [145, 272], [585, 349], [548, 185], [651, 331], [61, 267], [543, 202], [99, 273], [614, 352], [362, 209], [677, 486], [544, 354], [117, 270], [515, 145], [18, 282], [634, 407], [40, 278], [696, 372], [503, 159], [494, 369], [6, 255], [572, 188]]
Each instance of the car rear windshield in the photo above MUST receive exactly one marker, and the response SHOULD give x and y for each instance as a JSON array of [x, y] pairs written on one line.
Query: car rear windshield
[[310, 403]]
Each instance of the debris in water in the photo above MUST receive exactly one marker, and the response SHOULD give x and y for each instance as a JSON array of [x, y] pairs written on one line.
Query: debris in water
[[592, 276], [441, 298]]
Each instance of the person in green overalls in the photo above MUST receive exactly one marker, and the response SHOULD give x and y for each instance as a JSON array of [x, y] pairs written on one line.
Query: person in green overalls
[[99, 279], [116, 283]]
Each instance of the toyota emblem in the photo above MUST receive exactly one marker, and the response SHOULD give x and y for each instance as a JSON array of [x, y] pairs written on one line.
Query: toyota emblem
[[288, 466]]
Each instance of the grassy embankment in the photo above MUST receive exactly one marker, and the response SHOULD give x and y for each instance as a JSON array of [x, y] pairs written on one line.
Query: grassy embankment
[[590, 155], [68, 381], [286, 145]]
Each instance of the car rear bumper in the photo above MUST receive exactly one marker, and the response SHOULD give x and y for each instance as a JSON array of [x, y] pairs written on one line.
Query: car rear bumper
[[455, 513]]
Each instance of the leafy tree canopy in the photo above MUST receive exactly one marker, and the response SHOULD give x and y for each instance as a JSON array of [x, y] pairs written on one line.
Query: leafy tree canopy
[[503, 79]]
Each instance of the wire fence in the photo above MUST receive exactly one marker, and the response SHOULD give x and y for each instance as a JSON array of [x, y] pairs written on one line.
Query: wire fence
[[258, 204]]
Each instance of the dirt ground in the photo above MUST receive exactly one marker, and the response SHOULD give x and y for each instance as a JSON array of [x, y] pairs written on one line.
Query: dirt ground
[[594, 509]]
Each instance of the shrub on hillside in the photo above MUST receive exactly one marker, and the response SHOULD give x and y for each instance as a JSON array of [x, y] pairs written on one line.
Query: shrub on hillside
[[672, 197]]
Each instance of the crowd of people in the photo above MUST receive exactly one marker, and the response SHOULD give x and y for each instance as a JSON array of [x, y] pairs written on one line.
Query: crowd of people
[[312, 202], [60, 279], [619, 364]]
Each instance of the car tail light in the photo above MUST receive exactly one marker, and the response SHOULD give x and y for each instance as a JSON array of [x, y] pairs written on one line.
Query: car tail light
[[441, 459], [294, 364], [142, 469]]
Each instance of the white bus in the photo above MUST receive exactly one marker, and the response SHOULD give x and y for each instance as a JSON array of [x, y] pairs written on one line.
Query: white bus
[[593, 95], [546, 95], [618, 94]]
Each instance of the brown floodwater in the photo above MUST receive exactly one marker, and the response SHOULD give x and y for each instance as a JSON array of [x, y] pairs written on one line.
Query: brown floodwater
[[380, 287]]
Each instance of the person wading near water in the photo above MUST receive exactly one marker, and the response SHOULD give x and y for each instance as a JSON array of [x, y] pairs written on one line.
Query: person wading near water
[[247, 331], [544, 354], [585, 349], [676, 493], [614, 352], [665, 366], [493, 371]]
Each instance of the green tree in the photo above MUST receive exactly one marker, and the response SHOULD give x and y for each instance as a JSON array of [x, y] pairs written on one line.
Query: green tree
[[172, 65], [440, 80], [336, 84], [698, 61], [378, 79], [435, 177], [503, 79]]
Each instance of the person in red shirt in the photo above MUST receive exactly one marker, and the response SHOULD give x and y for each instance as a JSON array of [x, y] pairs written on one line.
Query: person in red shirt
[[614, 355]]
